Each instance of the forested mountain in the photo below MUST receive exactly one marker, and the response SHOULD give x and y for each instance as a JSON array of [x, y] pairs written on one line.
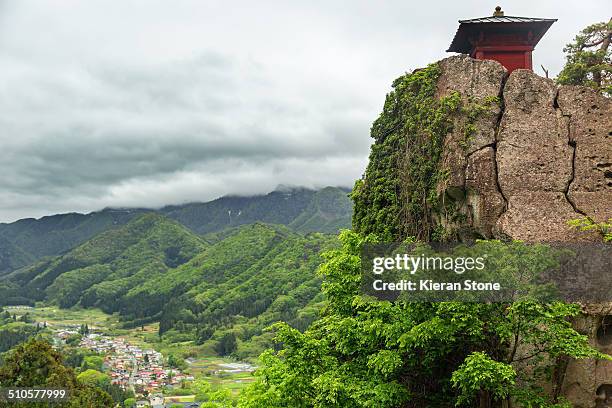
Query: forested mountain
[[12, 256], [311, 210], [155, 269], [327, 210], [27, 240], [148, 245]]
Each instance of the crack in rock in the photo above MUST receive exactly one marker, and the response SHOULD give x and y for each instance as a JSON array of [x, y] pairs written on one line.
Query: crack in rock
[[573, 145], [502, 110]]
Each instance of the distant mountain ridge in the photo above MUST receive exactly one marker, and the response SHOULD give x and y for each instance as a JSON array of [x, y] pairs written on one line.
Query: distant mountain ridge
[[303, 210]]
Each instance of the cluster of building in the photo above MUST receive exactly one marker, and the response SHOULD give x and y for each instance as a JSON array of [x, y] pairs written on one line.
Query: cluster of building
[[130, 366]]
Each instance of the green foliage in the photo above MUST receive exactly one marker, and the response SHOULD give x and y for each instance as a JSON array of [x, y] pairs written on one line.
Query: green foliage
[[479, 373], [589, 59], [93, 377], [365, 353], [74, 357], [201, 389], [13, 333], [397, 195], [67, 288], [211, 397], [472, 110], [227, 344], [129, 403], [36, 364], [26, 318], [176, 362], [93, 363], [96, 379], [74, 339], [587, 224]]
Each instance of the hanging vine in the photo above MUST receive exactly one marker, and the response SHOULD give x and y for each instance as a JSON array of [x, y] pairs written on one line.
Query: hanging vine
[[397, 195]]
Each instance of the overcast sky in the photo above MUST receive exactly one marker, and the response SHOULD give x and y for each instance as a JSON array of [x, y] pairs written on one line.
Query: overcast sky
[[146, 103]]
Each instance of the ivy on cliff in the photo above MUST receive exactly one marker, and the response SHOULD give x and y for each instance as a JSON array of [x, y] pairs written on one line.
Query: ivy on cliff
[[397, 195]]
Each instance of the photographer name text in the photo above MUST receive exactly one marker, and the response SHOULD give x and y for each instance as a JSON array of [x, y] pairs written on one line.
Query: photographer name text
[[428, 285]]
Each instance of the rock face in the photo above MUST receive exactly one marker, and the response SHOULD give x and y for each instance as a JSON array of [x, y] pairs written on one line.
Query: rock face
[[590, 131], [470, 162], [538, 158], [535, 161]]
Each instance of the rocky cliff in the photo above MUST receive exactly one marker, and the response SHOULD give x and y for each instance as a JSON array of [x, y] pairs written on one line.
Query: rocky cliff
[[463, 150], [543, 156], [539, 158]]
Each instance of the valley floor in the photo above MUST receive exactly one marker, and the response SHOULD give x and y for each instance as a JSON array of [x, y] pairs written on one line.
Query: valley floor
[[124, 351]]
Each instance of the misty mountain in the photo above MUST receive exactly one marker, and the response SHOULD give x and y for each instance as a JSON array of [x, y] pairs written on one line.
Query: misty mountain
[[303, 210]]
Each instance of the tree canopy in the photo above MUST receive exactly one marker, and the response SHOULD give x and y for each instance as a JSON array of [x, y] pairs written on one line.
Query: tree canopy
[[589, 59], [36, 364], [365, 352]]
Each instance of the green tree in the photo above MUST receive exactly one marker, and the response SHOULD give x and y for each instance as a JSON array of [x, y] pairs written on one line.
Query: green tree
[[589, 59], [204, 333], [74, 339], [481, 375], [129, 402], [227, 344], [73, 357], [93, 362], [36, 364], [93, 377], [102, 381], [176, 362], [14, 333], [202, 389], [26, 318], [364, 352]]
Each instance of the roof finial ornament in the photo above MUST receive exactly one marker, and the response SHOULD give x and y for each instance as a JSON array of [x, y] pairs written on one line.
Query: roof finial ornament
[[498, 12]]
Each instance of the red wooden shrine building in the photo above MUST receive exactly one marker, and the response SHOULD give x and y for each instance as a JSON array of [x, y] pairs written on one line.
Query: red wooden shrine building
[[508, 40]]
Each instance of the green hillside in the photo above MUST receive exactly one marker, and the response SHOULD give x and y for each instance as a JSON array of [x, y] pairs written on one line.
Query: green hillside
[[148, 245], [329, 211], [12, 256], [152, 269], [305, 210], [53, 235]]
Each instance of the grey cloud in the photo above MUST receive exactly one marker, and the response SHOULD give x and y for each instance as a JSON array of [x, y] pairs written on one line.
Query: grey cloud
[[163, 103]]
